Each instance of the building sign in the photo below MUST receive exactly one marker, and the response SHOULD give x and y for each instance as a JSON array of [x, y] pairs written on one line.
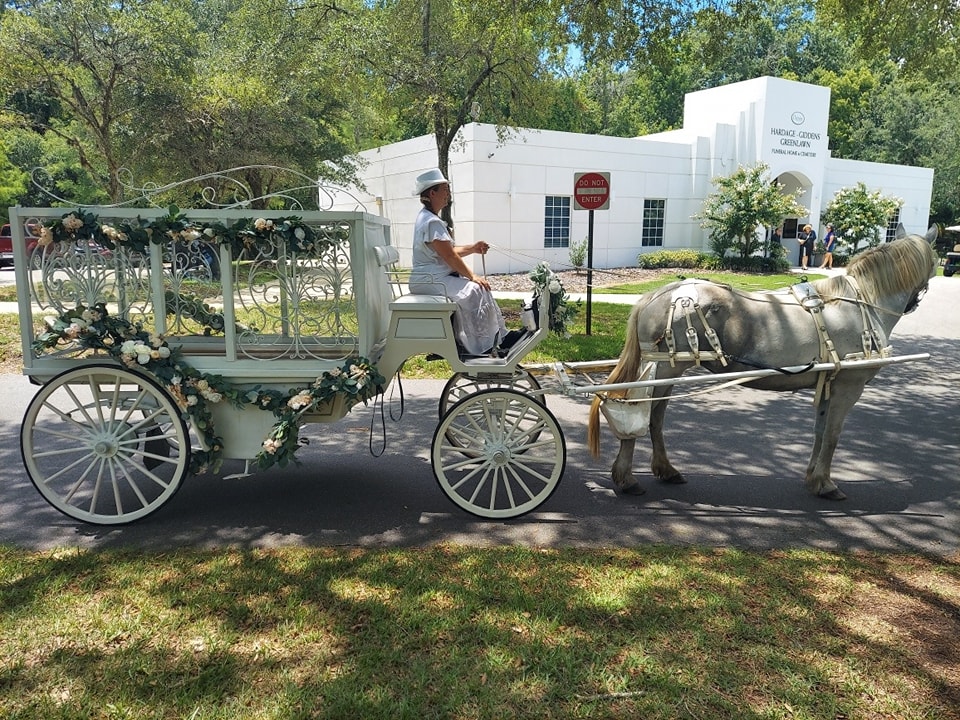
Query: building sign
[[793, 141]]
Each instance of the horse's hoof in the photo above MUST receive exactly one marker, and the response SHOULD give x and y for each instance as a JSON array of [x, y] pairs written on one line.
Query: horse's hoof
[[676, 479], [835, 494], [635, 489]]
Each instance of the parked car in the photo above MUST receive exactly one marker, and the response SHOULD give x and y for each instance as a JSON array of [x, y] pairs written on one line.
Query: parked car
[[6, 244]]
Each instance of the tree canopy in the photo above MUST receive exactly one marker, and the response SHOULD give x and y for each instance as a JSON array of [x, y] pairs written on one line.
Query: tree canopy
[[95, 91]]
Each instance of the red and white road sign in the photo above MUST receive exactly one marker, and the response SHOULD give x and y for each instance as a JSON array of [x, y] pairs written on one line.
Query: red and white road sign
[[591, 190]]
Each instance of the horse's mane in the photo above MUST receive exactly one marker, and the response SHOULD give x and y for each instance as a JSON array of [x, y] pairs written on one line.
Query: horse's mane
[[896, 267]]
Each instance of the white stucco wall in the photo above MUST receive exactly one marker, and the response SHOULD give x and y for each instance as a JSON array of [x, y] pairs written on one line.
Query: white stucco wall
[[499, 190]]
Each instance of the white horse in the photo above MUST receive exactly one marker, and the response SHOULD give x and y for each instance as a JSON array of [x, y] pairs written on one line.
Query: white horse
[[839, 318]]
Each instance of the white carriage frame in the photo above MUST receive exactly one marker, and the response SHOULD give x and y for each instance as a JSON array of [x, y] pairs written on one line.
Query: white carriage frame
[[491, 437]]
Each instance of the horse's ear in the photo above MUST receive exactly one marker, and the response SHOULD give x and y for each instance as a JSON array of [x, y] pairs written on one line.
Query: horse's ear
[[932, 234], [901, 231]]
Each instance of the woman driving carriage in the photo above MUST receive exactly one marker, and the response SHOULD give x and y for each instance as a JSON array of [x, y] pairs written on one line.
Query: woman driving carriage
[[439, 269]]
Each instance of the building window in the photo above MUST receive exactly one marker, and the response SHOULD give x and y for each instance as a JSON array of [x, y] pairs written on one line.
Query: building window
[[556, 222], [892, 224], [652, 233]]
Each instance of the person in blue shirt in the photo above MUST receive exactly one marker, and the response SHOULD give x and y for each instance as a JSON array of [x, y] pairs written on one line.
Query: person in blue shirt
[[829, 242]]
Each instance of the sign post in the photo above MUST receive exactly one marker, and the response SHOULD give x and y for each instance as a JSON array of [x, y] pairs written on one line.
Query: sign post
[[591, 191]]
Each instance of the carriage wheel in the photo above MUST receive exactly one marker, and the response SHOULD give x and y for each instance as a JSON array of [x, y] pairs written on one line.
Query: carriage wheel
[[104, 444], [461, 385], [507, 456]]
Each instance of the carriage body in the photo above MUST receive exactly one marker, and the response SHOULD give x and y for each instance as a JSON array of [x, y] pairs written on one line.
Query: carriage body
[[257, 306]]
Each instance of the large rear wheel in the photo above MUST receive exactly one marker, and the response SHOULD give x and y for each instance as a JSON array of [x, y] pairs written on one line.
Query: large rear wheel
[[104, 445]]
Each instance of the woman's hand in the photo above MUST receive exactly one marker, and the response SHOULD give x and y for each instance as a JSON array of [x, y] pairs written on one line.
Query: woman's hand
[[480, 247]]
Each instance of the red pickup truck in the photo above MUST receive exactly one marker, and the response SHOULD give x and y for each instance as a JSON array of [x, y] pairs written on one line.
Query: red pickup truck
[[6, 245]]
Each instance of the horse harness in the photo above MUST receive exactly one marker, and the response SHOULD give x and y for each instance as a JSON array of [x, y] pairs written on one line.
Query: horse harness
[[685, 301]]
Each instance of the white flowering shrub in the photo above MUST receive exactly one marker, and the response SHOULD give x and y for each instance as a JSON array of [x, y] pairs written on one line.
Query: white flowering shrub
[[858, 216]]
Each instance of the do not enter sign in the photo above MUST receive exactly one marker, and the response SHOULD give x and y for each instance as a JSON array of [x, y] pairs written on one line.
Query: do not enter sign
[[591, 190]]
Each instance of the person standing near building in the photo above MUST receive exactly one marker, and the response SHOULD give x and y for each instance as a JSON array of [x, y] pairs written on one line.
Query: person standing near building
[[808, 239], [829, 242], [776, 242]]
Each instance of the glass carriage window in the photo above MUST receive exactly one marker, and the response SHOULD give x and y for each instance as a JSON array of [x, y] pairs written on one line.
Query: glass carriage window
[[653, 213], [892, 225], [556, 222]]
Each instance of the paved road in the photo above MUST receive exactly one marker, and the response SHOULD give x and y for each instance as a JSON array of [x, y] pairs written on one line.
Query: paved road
[[743, 452]]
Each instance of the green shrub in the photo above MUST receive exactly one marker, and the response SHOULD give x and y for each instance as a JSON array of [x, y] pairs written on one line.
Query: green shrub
[[671, 259], [691, 259], [578, 254], [754, 264]]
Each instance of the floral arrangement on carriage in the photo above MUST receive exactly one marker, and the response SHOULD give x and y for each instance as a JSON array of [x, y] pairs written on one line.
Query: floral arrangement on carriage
[[194, 392], [562, 312], [138, 234]]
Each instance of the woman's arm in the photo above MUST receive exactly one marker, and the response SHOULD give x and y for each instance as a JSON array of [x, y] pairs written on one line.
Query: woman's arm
[[452, 257], [479, 247]]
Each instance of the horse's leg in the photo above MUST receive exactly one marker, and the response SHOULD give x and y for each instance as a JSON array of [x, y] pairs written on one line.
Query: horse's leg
[[622, 471], [830, 418], [659, 462]]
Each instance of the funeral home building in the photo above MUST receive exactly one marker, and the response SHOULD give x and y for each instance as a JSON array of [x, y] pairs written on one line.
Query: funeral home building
[[518, 194]]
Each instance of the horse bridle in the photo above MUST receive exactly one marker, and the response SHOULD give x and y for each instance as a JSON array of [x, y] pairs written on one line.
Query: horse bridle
[[915, 299]]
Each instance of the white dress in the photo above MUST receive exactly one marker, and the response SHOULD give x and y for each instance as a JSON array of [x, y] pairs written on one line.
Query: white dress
[[478, 322]]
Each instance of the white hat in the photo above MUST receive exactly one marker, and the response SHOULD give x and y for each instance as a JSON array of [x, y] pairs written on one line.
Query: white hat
[[428, 180]]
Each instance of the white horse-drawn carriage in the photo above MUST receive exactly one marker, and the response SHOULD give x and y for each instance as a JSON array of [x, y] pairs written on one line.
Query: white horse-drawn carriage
[[145, 378]]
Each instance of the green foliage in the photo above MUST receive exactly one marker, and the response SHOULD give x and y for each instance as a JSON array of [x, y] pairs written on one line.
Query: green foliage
[[562, 310], [671, 259], [96, 86], [578, 253], [858, 215], [744, 202], [13, 183]]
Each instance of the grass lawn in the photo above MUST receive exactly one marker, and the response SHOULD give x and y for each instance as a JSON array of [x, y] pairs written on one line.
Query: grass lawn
[[454, 632]]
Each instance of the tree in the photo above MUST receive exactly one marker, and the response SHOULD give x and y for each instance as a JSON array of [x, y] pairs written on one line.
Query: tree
[[858, 215], [12, 183], [744, 201], [445, 63], [904, 32], [97, 60], [268, 95]]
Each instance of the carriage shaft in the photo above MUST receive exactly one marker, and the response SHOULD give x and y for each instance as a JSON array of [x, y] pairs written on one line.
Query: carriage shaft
[[725, 377]]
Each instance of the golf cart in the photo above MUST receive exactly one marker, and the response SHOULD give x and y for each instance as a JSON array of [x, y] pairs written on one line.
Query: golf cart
[[953, 258]]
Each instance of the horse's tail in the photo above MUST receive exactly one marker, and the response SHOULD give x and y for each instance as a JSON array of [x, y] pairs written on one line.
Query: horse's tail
[[627, 370]]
